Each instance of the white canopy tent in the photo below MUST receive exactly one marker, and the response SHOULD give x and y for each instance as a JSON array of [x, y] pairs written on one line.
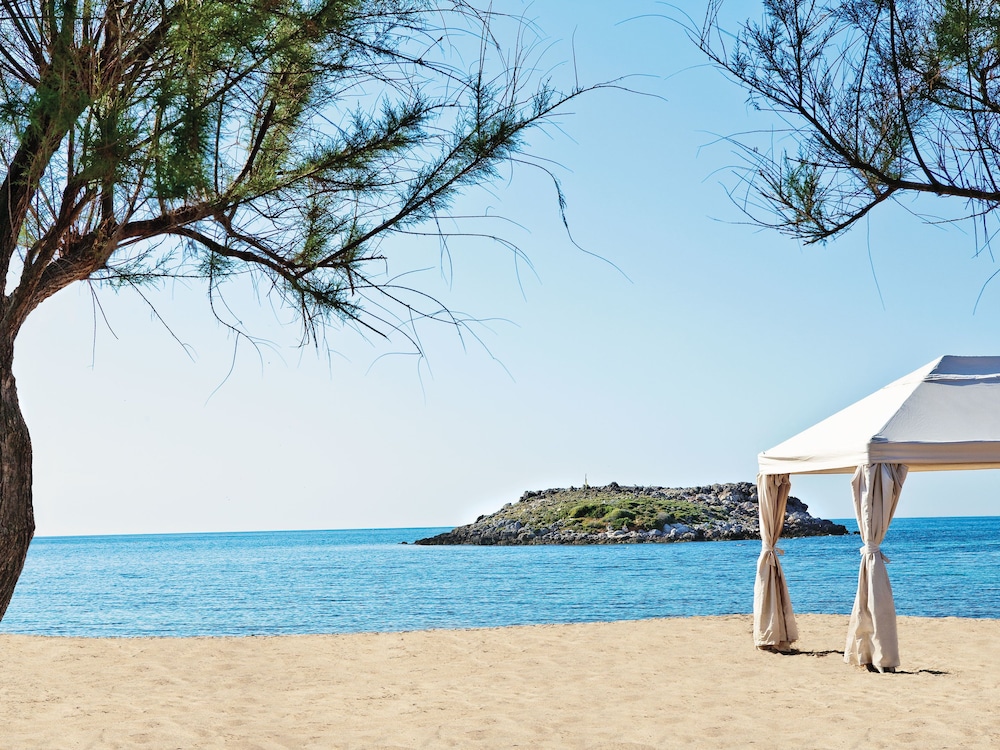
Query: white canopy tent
[[946, 415]]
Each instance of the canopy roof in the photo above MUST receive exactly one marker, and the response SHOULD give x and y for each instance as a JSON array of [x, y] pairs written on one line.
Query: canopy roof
[[946, 415]]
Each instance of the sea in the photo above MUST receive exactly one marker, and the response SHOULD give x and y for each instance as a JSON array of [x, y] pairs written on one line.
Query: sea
[[298, 582]]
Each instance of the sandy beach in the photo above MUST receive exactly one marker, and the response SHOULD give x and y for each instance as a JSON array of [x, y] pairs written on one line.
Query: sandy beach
[[693, 682]]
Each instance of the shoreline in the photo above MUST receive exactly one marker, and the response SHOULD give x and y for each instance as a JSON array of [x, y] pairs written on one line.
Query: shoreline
[[472, 629], [671, 682]]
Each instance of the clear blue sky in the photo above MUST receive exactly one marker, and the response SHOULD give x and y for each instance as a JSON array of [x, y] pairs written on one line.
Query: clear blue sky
[[722, 341]]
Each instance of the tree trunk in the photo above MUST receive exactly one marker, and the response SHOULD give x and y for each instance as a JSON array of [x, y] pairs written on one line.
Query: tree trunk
[[17, 518]]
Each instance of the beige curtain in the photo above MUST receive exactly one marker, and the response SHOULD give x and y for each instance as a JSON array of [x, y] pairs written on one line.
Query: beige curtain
[[773, 619], [871, 635]]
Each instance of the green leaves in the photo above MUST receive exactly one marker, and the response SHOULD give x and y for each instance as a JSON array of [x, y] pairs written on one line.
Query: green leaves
[[879, 97], [967, 31], [277, 139]]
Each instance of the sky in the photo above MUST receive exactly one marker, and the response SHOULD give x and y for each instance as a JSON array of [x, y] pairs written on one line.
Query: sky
[[677, 344]]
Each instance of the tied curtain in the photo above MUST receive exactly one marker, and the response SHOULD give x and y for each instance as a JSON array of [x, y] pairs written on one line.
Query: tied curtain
[[871, 635], [773, 619]]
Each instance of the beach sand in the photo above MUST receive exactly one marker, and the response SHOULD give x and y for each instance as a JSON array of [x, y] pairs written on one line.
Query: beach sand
[[691, 682]]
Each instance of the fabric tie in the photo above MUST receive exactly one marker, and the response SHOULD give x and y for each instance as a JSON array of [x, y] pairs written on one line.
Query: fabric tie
[[873, 549], [771, 552]]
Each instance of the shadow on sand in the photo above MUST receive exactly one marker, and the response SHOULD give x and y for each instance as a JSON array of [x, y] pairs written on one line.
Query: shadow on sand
[[869, 667]]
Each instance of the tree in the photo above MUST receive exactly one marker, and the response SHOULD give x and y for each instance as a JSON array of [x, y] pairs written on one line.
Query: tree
[[882, 98], [275, 140]]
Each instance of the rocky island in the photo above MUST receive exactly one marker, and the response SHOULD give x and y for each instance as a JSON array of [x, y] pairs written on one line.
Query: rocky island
[[633, 515]]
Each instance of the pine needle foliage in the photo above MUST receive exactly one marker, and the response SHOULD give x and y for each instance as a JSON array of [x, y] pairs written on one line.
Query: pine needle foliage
[[280, 139], [882, 98]]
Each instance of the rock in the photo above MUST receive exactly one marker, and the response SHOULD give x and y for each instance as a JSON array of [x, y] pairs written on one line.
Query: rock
[[632, 515]]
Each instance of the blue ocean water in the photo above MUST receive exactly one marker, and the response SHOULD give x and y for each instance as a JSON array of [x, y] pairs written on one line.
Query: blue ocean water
[[272, 583]]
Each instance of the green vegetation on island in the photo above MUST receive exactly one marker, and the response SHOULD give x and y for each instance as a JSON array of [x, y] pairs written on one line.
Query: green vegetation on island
[[594, 509], [616, 514]]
